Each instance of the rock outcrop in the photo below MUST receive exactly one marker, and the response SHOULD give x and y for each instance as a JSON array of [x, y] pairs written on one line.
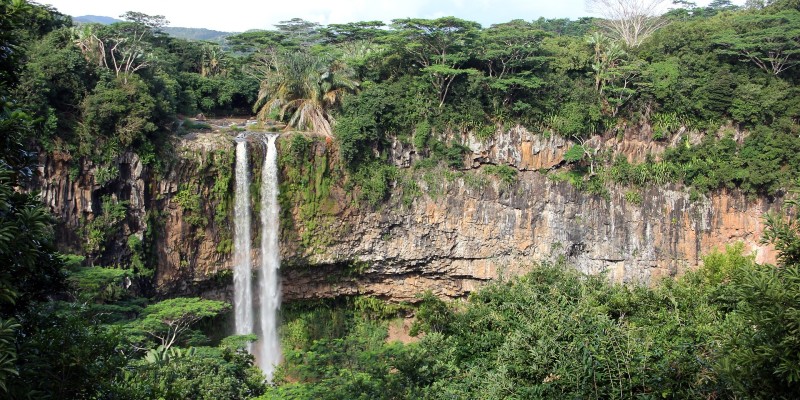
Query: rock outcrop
[[454, 235]]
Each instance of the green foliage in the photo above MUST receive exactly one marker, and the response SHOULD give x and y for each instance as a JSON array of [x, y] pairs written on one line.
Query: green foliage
[[225, 246], [228, 91], [728, 329], [194, 125], [378, 111], [8, 355], [506, 174], [137, 256], [647, 173], [55, 80], [306, 184], [105, 225], [105, 175], [376, 309], [375, 182], [530, 337], [303, 87], [764, 164], [117, 114], [769, 40], [575, 153], [438, 47], [31, 270], [665, 125], [51, 348], [422, 134], [298, 150], [633, 197], [557, 332], [433, 315], [760, 103], [594, 184], [222, 197], [783, 231], [98, 284], [304, 323], [170, 322], [509, 52], [68, 345], [195, 373], [338, 349], [191, 204], [759, 349], [451, 155]]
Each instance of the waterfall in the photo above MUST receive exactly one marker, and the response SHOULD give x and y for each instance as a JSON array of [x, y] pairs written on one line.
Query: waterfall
[[242, 270], [268, 351]]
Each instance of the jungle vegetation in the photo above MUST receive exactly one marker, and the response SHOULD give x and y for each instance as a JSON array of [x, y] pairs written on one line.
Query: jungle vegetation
[[720, 81]]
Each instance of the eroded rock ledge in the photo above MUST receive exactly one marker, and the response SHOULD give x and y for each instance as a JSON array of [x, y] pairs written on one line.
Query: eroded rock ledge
[[449, 243]]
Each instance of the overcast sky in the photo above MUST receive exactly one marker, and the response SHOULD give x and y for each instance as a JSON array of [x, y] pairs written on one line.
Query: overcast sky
[[242, 15]]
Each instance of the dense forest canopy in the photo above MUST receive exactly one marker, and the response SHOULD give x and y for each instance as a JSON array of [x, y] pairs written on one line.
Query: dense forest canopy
[[101, 88], [73, 329]]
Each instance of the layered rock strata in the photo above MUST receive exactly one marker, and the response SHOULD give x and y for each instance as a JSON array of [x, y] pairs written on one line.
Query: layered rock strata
[[449, 239]]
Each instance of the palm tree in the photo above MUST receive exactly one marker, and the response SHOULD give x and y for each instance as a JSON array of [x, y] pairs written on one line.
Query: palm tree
[[92, 48], [212, 62], [303, 87]]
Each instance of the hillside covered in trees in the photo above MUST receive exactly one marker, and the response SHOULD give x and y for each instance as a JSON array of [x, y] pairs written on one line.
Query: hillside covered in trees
[[717, 85]]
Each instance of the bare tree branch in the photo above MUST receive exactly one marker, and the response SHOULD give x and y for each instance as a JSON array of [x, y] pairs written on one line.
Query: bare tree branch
[[630, 21]]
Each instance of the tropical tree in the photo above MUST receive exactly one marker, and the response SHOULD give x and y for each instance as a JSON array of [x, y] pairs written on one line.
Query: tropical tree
[[783, 231], [357, 43], [440, 47], [630, 21], [29, 269], [92, 47], [124, 47], [760, 352], [169, 321], [222, 372], [614, 74], [154, 23], [213, 61], [300, 32], [580, 151], [354, 35], [511, 52], [302, 86], [770, 41], [8, 354]]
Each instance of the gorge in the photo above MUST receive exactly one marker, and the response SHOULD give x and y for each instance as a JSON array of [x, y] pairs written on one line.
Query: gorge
[[415, 209], [466, 230]]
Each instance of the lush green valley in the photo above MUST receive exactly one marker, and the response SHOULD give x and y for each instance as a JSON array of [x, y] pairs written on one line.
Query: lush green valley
[[717, 87]]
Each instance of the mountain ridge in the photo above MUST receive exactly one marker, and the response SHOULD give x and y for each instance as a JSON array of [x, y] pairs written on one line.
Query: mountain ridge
[[174, 31]]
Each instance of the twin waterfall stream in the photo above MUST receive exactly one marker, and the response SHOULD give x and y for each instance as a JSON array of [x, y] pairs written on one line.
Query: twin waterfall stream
[[256, 308]]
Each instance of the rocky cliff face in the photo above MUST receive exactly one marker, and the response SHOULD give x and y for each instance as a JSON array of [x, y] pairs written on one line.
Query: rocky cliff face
[[457, 231], [75, 194]]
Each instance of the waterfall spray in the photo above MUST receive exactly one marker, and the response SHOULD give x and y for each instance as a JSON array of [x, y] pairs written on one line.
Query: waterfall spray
[[267, 349], [268, 353], [242, 272]]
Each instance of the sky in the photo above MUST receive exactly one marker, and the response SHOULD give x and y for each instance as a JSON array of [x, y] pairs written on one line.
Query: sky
[[242, 15]]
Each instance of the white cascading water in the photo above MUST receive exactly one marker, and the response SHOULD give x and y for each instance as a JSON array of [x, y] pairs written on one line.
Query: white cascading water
[[242, 271], [268, 352]]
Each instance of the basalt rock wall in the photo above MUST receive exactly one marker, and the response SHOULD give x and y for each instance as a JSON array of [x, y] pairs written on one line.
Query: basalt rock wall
[[449, 239]]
